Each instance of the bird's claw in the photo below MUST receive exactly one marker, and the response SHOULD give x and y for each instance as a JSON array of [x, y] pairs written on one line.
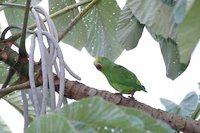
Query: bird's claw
[[131, 97]]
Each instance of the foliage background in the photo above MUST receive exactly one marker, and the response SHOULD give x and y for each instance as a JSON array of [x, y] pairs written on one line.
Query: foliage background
[[147, 63]]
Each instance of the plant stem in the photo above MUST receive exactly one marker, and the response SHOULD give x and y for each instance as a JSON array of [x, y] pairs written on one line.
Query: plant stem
[[196, 112], [66, 9], [13, 5], [22, 49], [75, 20]]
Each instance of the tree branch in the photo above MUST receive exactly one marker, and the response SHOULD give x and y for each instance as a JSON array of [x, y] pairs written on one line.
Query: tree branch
[[6, 91]]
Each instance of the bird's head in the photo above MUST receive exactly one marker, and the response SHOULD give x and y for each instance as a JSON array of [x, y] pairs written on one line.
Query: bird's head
[[102, 63], [98, 64]]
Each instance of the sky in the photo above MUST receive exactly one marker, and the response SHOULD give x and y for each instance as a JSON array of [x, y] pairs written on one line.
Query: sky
[[145, 61]]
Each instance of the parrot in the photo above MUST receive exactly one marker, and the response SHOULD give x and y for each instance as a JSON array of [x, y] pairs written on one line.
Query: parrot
[[120, 78]]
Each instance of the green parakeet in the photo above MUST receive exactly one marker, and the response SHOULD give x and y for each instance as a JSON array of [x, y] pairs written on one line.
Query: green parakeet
[[120, 78]]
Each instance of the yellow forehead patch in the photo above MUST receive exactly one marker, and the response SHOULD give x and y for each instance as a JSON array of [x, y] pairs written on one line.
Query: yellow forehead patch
[[96, 60]]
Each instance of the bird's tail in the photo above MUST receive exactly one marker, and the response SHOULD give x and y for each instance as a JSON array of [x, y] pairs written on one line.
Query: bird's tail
[[143, 88]]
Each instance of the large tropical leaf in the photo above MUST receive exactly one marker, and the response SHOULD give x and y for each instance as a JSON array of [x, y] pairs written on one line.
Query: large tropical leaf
[[51, 124], [3, 72], [101, 25], [96, 31], [188, 33], [77, 36], [4, 127], [170, 106], [96, 115], [15, 15], [169, 22], [129, 29], [15, 100], [156, 15], [171, 56], [187, 106]]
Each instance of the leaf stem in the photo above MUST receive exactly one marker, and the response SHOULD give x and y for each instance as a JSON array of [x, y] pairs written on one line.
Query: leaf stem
[[75, 20], [22, 49], [13, 5], [66, 9], [196, 112]]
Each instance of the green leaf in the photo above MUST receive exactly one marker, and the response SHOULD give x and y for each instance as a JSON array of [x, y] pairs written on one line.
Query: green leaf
[[129, 30], [3, 71], [4, 127], [180, 11], [51, 124], [156, 15], [196, 113], [169, 105], [77, 36], [97, 115], [171, 23], [96, 31], [15, 100], [101, 25], [15, 15], [188, 33], [169, 49], [187, 106]]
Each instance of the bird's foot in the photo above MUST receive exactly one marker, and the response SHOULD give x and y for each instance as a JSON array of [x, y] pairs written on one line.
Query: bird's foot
[[131, 97]]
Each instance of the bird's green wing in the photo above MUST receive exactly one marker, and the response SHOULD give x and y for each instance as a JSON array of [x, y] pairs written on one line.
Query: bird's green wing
[[123, 80], [122, 75]]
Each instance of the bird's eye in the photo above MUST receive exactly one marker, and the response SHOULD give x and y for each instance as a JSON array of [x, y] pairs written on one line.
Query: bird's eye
[[98, 66]]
